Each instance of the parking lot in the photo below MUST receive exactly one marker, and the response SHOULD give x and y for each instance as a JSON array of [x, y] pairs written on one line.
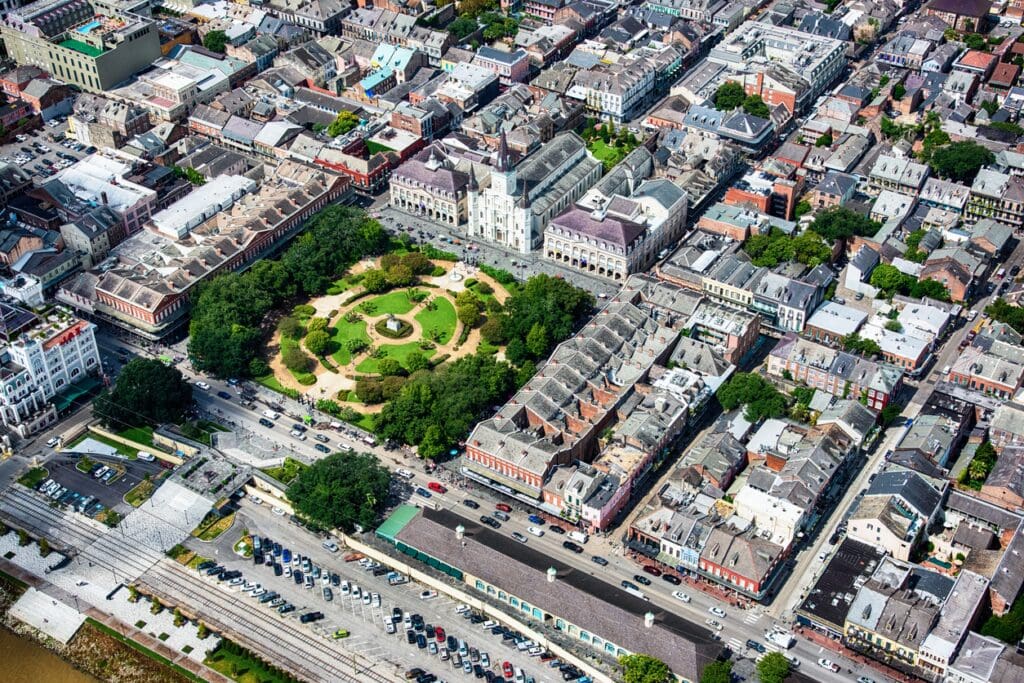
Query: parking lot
[[64, 471], [39, 154], [366, 623]]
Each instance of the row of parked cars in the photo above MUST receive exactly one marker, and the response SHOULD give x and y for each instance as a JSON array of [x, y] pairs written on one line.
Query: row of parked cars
[[235, 579], [65, 497]]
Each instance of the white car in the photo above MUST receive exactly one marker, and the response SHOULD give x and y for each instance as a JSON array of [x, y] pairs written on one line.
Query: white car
[[203, 385], [535, 531], [404, 473], [717, 611], [427, 595], [271, 414], [52, 441], [278, 511], [681, 596], [828, 664]]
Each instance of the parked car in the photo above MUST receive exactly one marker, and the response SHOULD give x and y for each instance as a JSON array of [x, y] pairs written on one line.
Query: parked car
[[681, 596], [671, 578], [535, 531], [471, 504], [717, 611], [641, 579], [519, 537], [597, 559], [503, 507], [569, 545], [436, 487], [828, 664]]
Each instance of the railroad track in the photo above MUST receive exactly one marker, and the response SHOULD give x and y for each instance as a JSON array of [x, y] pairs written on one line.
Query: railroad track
[[260, 629]]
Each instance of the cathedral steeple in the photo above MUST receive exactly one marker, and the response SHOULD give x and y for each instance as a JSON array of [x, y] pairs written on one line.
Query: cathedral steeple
[[504, 161]]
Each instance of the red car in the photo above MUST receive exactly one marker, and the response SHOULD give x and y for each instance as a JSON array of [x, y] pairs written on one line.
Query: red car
[[652, 570], [436, 487], [503, 507], [439, 634], [506, 668]]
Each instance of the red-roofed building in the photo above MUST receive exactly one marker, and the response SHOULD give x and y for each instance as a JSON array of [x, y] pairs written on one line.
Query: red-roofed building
[[976, 62], [1004, 76]]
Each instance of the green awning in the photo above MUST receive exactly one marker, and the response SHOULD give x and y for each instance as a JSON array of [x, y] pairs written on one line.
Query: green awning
[[77, 390], [402, 515]]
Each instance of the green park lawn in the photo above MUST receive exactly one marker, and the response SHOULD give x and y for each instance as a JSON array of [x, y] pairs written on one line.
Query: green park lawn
[[343, 331], [396, 303], [397, 351], [605, 153], [286, 471], [442, 319], [270, 382], [143, 435], [126, 451]]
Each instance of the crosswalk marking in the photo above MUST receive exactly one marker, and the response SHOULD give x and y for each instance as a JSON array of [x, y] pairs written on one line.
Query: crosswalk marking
[[735, 644], [751, 618]]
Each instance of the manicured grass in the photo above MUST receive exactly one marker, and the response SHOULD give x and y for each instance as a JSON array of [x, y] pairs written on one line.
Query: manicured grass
[[138, 495], [270, 382], [608, 155], [442, 319], [486, 348], [341, 333], [393, 302], [126, 451], [32, 478], [143, 435], [397, 351], [84, 464], [213, 526], [143, 649], [286, 471]]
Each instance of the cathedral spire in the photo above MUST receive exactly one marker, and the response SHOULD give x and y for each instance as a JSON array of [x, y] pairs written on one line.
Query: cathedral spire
[[504, 162]]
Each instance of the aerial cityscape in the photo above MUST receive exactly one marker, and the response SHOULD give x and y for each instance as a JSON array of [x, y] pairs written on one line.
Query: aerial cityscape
[[521, 341]]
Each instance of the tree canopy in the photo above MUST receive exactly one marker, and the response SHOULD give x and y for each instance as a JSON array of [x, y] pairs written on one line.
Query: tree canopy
[[230, 311], [729, 96], [147, 392], [345, 122], [341, 491], [840, 222], [543, 312], [755, 106], [761, 398], [435, 410], [717, 672], [890, 280], [1003, 312], [773, 668], [215, 41], [775, 247], [960, 161], [643, 669]]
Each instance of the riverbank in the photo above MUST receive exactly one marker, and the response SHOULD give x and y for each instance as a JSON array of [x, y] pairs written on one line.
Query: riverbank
[[93, 654]]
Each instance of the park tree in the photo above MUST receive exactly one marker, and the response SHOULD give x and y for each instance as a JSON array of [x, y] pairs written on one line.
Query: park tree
[[356, 345], [388, 367], [493, 330], [525, 372], [639, 668], [341, 491], [462, 27], [369, 391], [468, 314], [773, 668], [345, 122], [960, 161], [729, 96], [417, 262], [296, 360], [374, 281], [215, 41], [537, 340], [317, 342], [550, 302], [146, 392], [400, 275], [290, 327], [416, 361], [717, 672], [316, 324]]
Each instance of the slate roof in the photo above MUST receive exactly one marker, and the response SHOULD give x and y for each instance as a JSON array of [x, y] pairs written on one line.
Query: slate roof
[[576, 596], [911, 487]]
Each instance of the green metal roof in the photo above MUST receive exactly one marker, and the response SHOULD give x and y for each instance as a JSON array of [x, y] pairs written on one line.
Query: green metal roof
[[79, 46], [402, 515]]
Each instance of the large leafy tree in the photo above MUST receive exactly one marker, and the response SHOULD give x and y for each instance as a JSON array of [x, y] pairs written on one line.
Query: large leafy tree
[[341, 491], [435, 410], [345, 122], [840, 222], [773, 668], [960, 161], [729, 96], [549, 303], [643, 669], [147, 392], [717, 672], [215, 41], [761, 398]]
